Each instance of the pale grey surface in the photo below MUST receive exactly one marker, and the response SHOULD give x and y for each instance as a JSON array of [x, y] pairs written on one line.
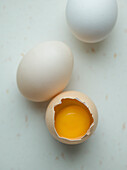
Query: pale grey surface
[[100, 71]]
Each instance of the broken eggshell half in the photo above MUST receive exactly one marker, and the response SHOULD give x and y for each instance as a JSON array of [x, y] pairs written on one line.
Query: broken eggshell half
[[63, 100]]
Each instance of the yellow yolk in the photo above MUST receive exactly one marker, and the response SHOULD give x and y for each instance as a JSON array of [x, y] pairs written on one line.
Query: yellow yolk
[[72, 122]]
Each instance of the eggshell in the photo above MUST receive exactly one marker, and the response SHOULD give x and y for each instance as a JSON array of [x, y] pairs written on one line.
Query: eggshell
[[45, 71], [50, 115], [91, 20]]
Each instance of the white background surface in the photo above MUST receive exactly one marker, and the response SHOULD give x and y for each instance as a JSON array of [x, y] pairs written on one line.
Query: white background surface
[[100, 71]]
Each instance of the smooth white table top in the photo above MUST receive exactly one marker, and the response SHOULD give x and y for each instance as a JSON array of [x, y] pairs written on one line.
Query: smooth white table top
[[100, 71]]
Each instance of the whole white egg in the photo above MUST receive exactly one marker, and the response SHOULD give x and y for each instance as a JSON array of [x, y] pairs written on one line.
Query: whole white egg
[[91, 20], [45, 71]]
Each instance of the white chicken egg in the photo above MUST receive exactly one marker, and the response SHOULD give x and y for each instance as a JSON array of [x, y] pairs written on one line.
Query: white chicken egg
[[91, 20], [45, 71]]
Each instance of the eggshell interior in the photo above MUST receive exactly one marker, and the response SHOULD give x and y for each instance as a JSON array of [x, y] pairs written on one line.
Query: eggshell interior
[[67, 102]]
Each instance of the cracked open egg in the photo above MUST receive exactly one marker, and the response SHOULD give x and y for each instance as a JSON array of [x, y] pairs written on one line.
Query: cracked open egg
[[71, 117]]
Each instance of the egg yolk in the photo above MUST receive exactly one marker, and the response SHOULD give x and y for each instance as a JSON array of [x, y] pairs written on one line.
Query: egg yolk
[[72, 122]]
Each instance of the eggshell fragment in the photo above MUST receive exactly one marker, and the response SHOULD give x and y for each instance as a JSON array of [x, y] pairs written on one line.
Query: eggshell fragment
[[50, 115], [45, 71]]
